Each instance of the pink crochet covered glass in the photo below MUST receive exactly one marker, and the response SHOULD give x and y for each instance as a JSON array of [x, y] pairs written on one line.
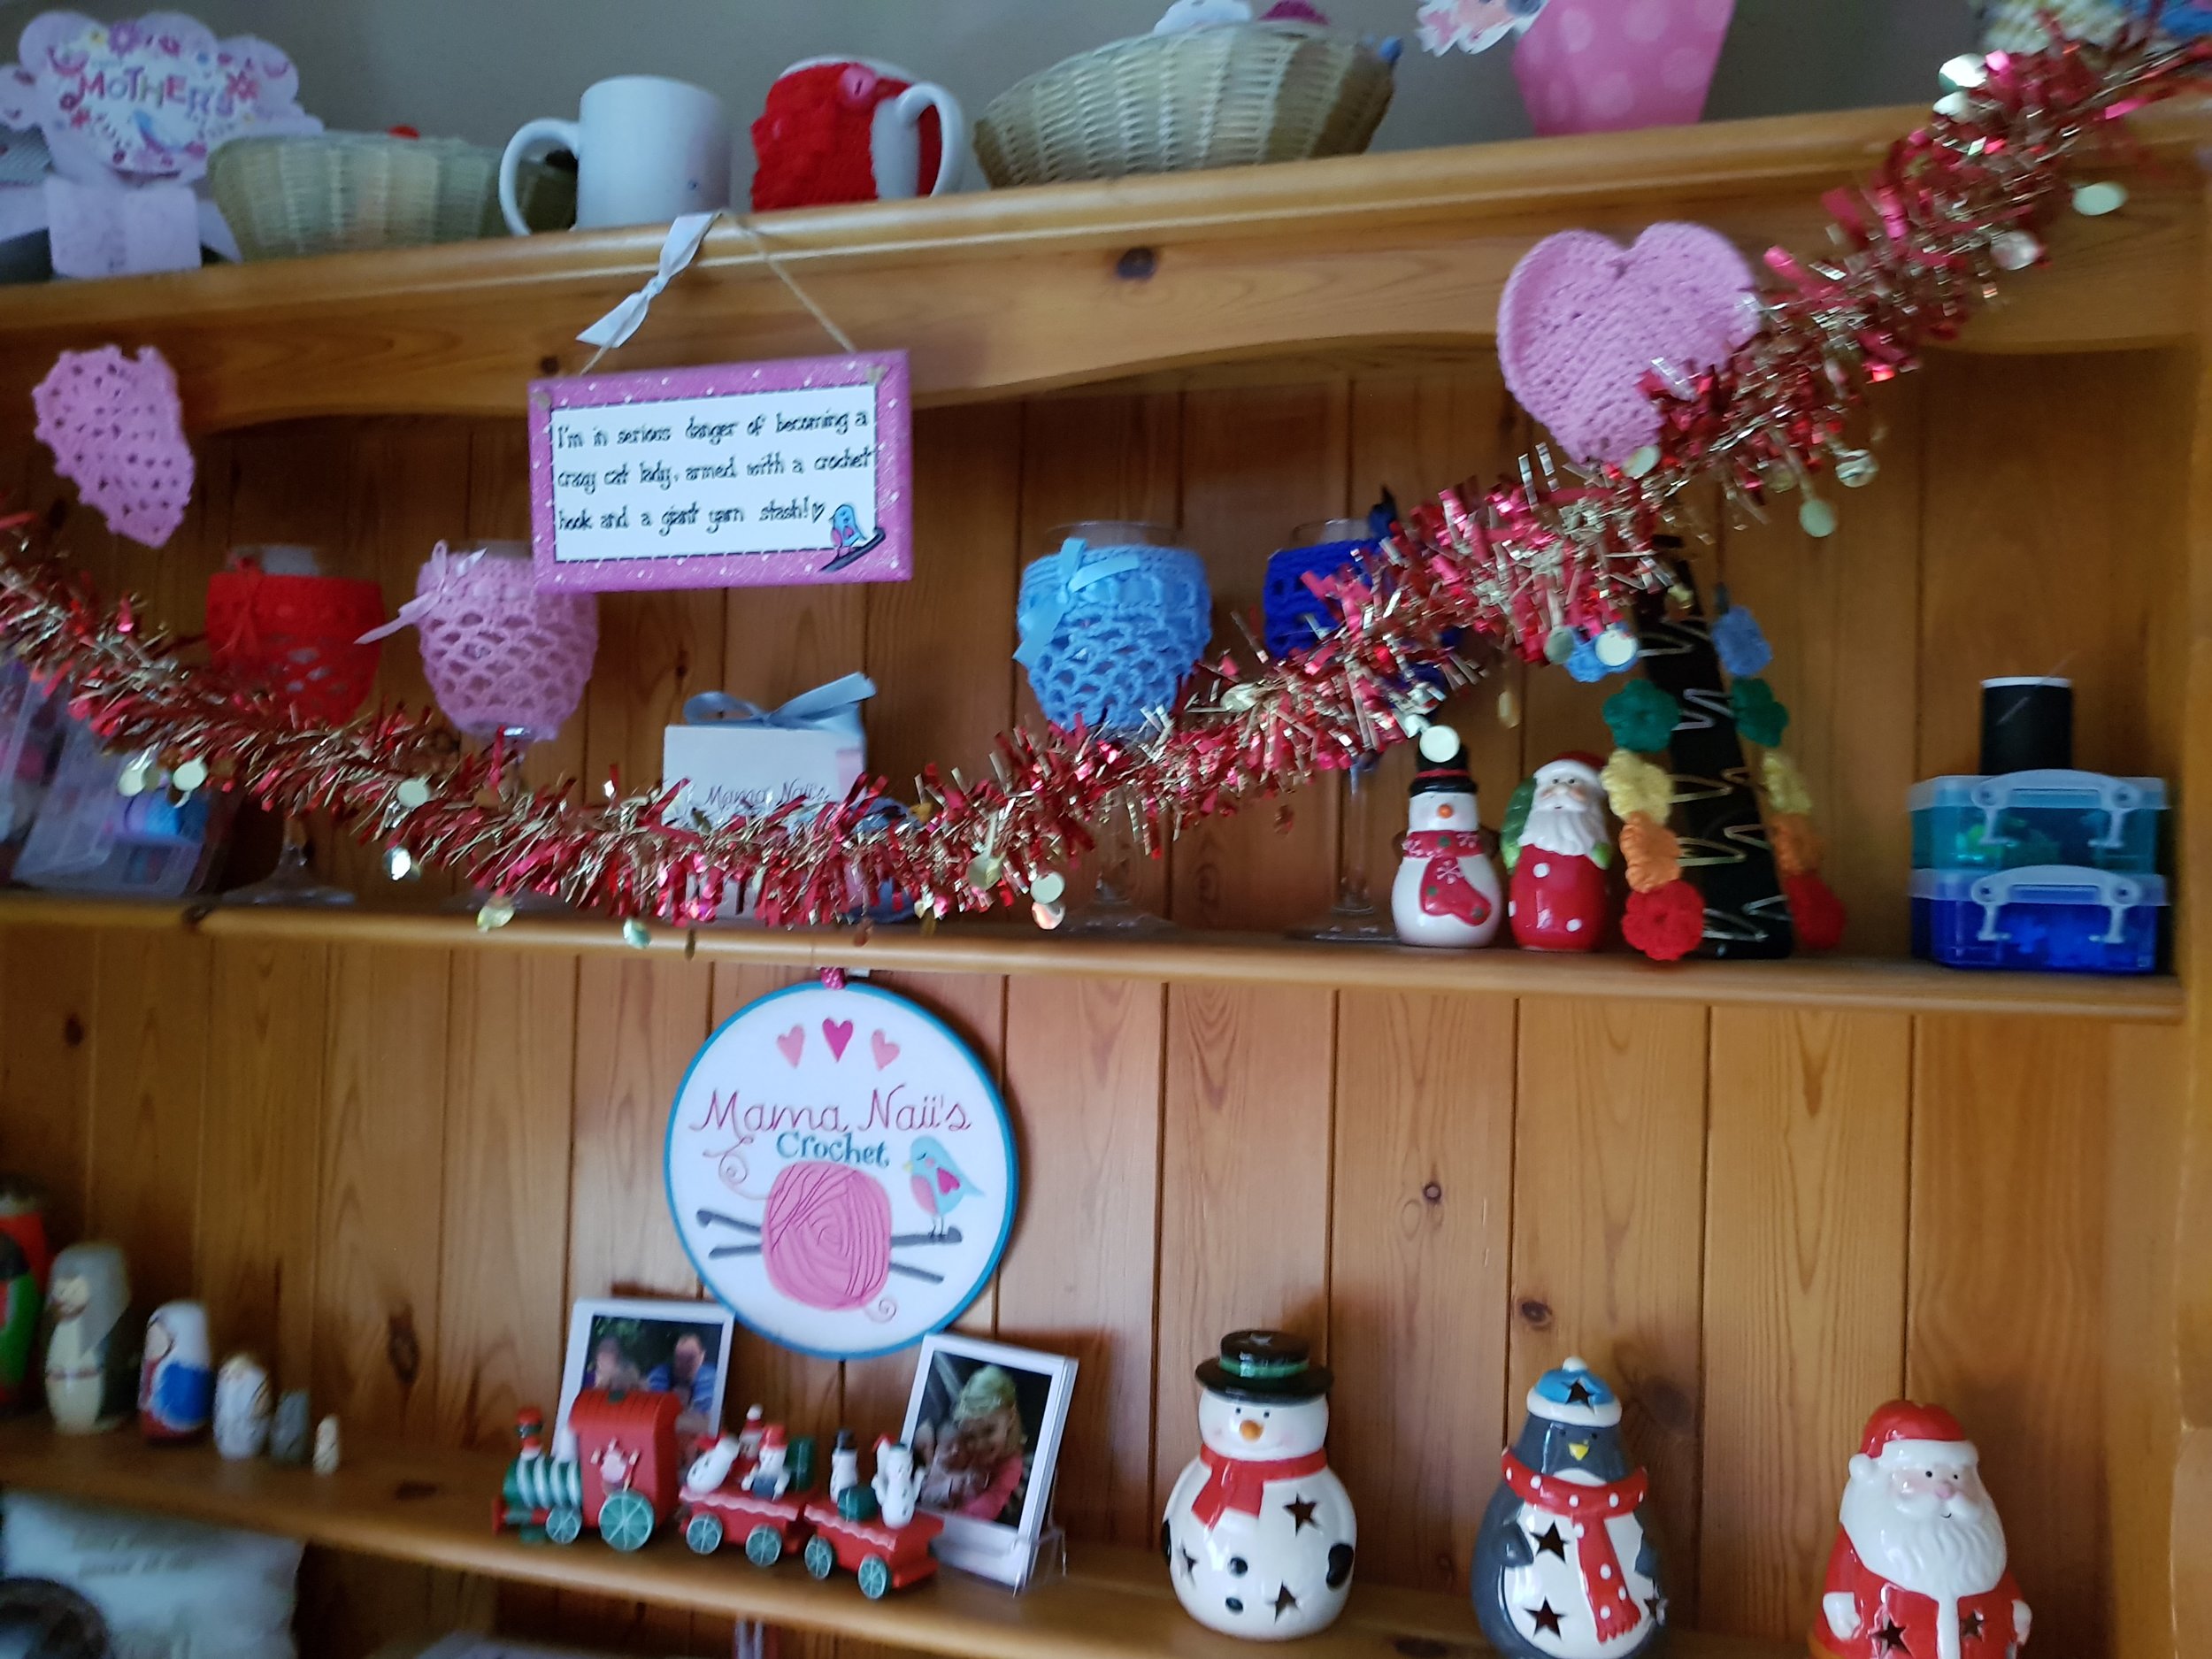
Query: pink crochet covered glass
[[1612, 66], [501, 656]]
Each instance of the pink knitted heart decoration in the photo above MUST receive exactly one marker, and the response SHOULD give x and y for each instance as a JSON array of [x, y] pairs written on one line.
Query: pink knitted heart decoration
[[117, 431], [1584, 320]]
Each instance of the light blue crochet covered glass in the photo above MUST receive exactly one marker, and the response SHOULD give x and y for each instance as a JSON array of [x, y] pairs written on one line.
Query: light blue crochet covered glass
[[1111, 623]]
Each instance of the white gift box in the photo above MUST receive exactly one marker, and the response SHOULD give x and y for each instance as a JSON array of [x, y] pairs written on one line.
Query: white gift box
[[736, 758]]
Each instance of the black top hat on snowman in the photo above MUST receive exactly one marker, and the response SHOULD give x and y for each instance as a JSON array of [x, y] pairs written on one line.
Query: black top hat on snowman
[[1443, 764], [1264, 1365]]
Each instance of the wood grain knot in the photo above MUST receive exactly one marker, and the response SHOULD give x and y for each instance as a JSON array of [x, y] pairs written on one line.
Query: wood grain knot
[[1535, 1313], [72, 1032], [1420, 1648], [1666, 1405], [402, 1349], [1136, 265], [1432, 1194], [549, 365], [414, 1491]]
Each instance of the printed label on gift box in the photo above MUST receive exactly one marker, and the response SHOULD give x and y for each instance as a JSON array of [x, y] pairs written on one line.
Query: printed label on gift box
[[740, 475], [729, 770], [840, 1170]]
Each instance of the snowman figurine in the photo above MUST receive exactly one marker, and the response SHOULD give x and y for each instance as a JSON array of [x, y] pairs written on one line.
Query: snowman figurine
[[1447, 892], [1563, 1566], [1259, 1533]]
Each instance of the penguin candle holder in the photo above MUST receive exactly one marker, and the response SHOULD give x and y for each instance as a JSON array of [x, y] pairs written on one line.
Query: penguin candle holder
[[1259, 1534], [1564, 1568]]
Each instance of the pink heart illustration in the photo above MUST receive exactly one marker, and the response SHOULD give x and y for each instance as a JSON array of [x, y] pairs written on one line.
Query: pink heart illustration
[[839, 1033], [885, 1050], [793, 1043], [1584, 320]]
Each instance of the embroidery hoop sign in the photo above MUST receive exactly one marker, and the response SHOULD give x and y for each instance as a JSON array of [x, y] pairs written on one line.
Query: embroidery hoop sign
[[841, 1171], [735, 475]]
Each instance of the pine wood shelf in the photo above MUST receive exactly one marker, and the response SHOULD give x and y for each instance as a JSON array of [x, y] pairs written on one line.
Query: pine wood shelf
[[434, 1507], [1289, 268], [1184, 958]]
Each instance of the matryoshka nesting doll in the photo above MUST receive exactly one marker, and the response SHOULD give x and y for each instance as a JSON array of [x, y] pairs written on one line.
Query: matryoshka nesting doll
[[176, 1384], [91, 1357], [25, 1256], [1563, 1567], [1446, 891], [1259, 1535]]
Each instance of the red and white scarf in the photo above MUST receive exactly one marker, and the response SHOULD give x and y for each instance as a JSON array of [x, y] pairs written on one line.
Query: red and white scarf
[[1445, 889], [1238, 1484], [1586, 1510]]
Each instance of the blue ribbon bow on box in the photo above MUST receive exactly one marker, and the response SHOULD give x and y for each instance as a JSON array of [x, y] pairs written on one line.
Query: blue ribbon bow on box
[[833, 707]]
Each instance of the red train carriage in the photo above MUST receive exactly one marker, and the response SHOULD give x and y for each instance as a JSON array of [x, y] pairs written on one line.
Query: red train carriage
[[626, 1448], [886, 1558], [767, 1527]]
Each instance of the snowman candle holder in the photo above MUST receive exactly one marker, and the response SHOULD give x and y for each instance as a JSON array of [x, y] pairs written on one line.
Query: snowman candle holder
[[1259, 1534]]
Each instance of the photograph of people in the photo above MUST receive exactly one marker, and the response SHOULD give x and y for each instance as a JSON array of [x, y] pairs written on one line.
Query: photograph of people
[[664, 1347], [975, 1455]]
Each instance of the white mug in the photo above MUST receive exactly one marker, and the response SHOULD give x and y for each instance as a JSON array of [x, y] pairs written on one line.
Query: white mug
[[647, 150]]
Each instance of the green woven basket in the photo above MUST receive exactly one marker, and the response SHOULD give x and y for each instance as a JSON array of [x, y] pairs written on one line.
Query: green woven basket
[[338, 192], [1228, 96]]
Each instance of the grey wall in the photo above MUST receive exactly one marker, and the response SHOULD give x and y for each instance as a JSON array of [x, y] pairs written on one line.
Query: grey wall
[[479, 68]]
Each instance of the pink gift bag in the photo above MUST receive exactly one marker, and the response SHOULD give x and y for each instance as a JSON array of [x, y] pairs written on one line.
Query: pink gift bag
[[1611, 65]]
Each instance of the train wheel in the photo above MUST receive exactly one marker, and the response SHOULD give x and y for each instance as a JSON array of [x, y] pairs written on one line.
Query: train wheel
[[875, 1578], [821, 1556], [563, 1526], [626, 1520], [763, 1545], [703, 1534]]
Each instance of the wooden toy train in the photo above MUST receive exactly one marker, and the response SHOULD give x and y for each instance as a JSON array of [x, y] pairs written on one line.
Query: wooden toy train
[[614, 1469]]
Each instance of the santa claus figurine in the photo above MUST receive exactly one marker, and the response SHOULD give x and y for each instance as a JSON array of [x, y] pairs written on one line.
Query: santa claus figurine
[[1918, 1568], [1556, 848]]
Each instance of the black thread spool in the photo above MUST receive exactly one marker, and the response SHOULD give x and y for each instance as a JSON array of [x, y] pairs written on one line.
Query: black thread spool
[[2027, 725]]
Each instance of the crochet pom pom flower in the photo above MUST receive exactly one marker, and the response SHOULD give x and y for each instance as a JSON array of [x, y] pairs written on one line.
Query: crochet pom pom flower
[[1785, 788], [1641, 716], [1795, 841], [1666, 923], [1759, 713], [1814, 911], [1743, 649], [1634, 785], [1652, 852]]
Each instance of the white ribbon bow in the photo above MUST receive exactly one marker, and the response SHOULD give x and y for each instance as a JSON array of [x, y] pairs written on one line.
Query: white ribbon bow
[[443, 568], [685, 236]]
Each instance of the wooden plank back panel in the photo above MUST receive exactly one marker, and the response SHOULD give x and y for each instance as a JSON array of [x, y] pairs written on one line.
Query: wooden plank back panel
[[1804, 1293], [2010, 1154], [47, 986], [1608, 1233], [261, 1149], [1244, 1184], [1083, 1067], [1256, 464], [148, 1071], [1420, 1232]]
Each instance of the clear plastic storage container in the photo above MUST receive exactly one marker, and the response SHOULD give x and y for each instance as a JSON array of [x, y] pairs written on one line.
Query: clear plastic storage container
[[2019, 818], [2046, 917]]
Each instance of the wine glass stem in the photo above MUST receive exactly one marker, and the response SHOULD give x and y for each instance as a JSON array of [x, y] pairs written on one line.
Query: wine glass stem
[[292, 854], [1359, 811], [1117, 851]]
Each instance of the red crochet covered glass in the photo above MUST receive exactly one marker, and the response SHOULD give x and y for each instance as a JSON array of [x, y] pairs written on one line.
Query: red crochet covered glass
[[295, 635]]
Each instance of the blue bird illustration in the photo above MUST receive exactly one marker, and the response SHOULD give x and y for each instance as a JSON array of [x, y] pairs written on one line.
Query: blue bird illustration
[[939, 1185]]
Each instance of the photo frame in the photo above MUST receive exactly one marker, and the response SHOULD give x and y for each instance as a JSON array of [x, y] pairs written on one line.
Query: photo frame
[[651, 1349], [970, 1401]]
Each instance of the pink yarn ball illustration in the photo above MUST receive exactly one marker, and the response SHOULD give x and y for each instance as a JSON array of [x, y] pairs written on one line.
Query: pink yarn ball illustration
[[825, 1235]]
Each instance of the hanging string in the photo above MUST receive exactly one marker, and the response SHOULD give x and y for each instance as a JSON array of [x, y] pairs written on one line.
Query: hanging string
[[685, 236]]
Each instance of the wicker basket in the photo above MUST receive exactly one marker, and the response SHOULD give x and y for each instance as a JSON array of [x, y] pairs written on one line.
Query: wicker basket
[[1229, 95], [334, 192]]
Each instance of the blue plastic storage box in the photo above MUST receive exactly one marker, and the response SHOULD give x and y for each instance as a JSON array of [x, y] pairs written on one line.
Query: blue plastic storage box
[[2046, 917], [2019, 818]]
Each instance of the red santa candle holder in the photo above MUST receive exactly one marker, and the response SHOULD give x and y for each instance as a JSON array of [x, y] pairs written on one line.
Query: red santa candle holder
[[1557, 851], [1918, 1566]]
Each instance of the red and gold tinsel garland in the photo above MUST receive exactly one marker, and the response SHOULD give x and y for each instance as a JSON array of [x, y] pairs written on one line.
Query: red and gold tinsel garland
[[1954, 207]]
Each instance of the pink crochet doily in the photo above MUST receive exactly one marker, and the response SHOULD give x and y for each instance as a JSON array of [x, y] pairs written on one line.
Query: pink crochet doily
[[1584, 320], [499, 655], [117, 431]]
